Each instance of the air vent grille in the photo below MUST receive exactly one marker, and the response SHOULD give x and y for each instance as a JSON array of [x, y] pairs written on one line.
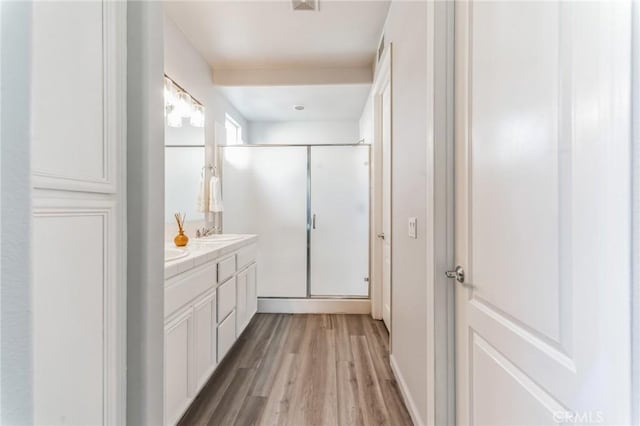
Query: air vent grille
[[304, 4]]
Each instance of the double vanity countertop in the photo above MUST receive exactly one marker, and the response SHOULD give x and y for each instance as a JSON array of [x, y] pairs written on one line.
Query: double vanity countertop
[[202, 250]]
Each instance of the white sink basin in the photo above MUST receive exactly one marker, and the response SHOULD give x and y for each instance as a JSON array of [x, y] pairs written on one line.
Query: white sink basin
[[173, 253], [219, 238]]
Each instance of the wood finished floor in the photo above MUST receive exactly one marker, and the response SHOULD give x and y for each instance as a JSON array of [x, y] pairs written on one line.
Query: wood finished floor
[[304, 370]]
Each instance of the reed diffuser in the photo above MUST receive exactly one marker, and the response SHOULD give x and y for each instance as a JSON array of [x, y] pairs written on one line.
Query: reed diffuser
[[180, 240]]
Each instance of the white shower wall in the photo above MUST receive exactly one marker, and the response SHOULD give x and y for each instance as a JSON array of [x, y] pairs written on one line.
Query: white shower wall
[[303, 132], [265, 193]]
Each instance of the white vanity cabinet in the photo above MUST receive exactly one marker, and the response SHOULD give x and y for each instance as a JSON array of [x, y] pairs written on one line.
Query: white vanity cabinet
[[227, 310], [247, 297], [246, 286], [207, 307], [178, 338], [241, 308], [204, 338]]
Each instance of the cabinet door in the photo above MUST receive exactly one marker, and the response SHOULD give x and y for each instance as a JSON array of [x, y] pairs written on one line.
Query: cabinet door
[[241, 301], [204, 324], [177, 390], [252, 291], [78, 241], [226, 335]]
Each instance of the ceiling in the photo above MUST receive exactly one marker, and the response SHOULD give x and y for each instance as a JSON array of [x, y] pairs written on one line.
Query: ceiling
[[237, 34], [322, 102]]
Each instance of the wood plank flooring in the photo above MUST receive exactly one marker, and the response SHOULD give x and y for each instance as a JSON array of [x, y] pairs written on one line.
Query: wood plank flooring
[[304, 370]]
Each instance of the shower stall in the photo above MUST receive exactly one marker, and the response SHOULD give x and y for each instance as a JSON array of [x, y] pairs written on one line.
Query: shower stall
[[309, 204]]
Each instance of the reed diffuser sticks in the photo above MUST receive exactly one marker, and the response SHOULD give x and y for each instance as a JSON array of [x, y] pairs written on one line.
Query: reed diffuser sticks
[[181, 239]]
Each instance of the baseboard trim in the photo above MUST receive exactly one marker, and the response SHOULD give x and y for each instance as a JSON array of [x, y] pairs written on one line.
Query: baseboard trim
[[408, 400], [314, 306]]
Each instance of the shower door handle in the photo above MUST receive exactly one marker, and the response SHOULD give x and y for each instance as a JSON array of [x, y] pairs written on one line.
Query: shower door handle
[[313, 221]]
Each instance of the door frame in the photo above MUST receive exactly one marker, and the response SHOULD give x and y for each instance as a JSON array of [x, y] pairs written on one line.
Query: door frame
[[635, 214], [311, 221], [381, 79], [440, 195]]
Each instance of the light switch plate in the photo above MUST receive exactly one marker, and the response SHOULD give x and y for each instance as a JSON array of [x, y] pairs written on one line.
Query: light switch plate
[[413, 227]]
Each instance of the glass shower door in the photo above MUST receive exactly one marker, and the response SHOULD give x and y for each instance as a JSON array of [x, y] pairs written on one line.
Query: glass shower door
[[339, 221], [265, 193]]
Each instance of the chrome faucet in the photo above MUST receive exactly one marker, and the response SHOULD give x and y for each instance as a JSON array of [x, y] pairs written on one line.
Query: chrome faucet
[[205, 232]]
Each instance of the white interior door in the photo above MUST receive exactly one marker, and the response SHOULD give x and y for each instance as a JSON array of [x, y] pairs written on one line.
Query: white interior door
[[386, 205], [542, 212], [339, 249], [265, 193]]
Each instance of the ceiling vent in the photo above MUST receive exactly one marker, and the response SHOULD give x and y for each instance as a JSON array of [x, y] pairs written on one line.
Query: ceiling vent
[[305, 4]]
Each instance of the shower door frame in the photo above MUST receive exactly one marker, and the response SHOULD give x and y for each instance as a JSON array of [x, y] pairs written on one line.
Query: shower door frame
[[308, 296]]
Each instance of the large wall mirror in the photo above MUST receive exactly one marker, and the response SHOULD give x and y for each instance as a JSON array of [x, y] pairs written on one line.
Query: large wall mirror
[[184, 152]]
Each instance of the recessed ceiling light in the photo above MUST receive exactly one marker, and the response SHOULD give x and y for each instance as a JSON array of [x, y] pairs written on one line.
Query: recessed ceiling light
[[298, 107]]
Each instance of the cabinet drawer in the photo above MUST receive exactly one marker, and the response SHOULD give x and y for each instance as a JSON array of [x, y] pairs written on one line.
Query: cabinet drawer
[[247, 255], [226, 268], [226, 298], [226, 335], [187, 288]]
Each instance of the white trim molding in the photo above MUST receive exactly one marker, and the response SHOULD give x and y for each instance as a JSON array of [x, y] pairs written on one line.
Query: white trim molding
[[314, 306], [635, 200], [406, 395]]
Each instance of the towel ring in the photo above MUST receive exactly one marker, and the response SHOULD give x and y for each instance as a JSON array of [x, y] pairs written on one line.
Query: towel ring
[[209, 167]]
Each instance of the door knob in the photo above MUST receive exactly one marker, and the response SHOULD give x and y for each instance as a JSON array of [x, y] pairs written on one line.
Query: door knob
[[381, 236], [457, 273]]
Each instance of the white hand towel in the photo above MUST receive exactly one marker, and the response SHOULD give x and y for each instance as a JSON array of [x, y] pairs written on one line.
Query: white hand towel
[[215, 195], [201, 203]]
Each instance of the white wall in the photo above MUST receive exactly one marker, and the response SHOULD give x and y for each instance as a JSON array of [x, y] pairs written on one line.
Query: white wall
[[365, 124], [303, 132], [16, 375], [145, 199], [187, 67], [406, 29], [185, 135]]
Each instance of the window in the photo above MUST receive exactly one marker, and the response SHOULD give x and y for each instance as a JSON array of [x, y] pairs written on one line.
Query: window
[[234, 131]]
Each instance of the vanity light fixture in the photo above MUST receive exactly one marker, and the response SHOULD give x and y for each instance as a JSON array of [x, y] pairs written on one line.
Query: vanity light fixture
[[174, 119], [179, 104], [184, 105], [170, 96], [197, 116]]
